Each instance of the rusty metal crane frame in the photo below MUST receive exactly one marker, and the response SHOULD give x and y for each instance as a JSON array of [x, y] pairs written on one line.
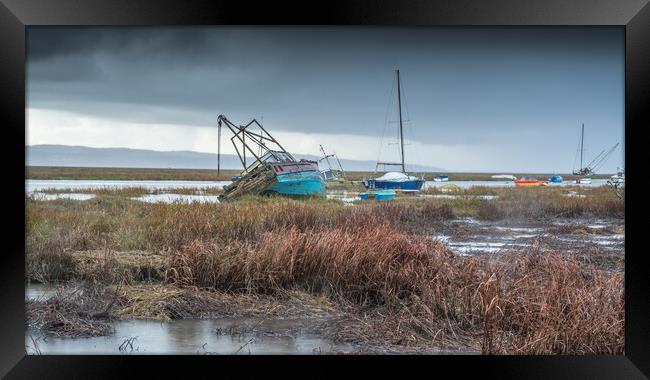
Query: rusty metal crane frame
[[241, 134]]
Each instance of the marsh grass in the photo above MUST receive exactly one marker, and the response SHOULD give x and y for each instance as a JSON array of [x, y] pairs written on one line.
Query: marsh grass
[[375, 260], [524, 302], [545, 203]]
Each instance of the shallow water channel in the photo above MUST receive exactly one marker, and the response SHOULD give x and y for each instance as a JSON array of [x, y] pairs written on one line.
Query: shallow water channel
[[466, 236], [193, 336], [225, 336], [35, 188]]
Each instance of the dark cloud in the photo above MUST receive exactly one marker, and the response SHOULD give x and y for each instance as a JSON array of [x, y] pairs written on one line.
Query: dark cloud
[[462, 85], [50, 42]]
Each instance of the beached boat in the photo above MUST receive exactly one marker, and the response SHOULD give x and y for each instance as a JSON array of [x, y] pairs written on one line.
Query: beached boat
[[530, 182], [273, 169], [378, 195], [331, 174], [396, 180], [618, 178], [591, 167], [617, 183], [583, 181], [441, 178], [556, 179]]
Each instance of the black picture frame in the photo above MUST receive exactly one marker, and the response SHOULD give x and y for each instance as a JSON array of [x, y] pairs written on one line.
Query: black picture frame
[[15, 15]]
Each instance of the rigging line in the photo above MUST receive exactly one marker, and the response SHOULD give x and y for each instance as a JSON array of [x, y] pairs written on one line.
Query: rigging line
[[575, 160], [409, 124], [386, 118]]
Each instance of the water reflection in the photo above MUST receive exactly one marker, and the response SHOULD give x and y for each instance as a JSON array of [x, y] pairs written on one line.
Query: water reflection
[[243, 336]]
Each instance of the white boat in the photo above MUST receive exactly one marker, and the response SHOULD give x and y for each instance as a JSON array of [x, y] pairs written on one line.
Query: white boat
[[618, 177], [504, 176], [441, 178], [583, 181]]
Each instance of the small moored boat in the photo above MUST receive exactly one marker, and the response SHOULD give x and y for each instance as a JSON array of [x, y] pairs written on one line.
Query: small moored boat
[[583, 181], [441, 178], [530, 182], [331, 174], [556, 179], [619, 177], [378, 195], [504, 176]]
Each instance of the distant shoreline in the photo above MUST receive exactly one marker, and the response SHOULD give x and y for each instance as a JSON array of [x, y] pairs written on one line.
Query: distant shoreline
[[156, 174]]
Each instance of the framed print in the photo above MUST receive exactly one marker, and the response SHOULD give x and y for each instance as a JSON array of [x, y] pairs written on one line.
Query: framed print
[[348, 183]]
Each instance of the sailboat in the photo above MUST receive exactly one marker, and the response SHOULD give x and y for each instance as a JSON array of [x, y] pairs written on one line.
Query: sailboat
[[396, 180], [582, 170], [591, 167]]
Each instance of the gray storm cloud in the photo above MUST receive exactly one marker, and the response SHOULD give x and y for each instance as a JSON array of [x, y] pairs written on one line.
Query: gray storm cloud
[[462, 85]]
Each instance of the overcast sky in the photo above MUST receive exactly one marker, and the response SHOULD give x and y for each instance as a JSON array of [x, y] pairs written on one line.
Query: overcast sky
[[475, 99]]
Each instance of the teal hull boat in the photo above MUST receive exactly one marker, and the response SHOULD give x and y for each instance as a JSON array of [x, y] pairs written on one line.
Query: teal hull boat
[[306, 183], [273, 171], [378, 195]]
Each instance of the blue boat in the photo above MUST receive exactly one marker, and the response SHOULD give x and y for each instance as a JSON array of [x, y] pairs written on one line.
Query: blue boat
[[274, 171], [556, 179], [396, 180], [305, 183], [378, 195]]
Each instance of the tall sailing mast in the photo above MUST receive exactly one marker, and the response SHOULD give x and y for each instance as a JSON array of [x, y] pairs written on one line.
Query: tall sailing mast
[[219, 149], [401, 131], [582, 142]]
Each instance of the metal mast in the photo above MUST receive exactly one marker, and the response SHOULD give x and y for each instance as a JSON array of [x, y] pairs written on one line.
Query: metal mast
[[401, 131], [326, 157], [219, 149], [582, 142]]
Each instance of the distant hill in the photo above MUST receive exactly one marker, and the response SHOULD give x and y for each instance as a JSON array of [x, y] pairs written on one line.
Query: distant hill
[[82, 156]]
